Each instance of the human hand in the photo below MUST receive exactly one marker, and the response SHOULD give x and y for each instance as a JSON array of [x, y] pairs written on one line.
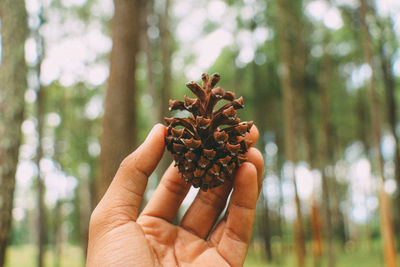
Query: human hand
[[119, 236]]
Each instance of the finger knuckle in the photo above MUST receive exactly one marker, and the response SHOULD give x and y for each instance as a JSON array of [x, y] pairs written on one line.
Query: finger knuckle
[[96, 217]]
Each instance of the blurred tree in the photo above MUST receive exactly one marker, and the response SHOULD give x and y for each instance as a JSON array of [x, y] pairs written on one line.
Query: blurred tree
[[119, 123], [57, 239], [165, 59], [40, 113], [166, 81], [386, 53], [303, 106], [260, 109], [316, 228], [299, 55], [326, 147], [150, 57], [13, 83], [289, 120], [386, 221], [41, 216]]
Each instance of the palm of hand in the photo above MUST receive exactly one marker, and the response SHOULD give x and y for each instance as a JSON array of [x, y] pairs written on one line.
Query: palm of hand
[[119, 237], [174, 246]]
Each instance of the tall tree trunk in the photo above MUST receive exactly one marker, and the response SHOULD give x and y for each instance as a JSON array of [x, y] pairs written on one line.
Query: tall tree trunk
[[14, 31], [166, 53], [298, 64], [290, 138], [281, 217], [386, 221], [304, 108], [58, 151], [389, 82], [264, 223], [316, 228], [119, 122], [166, 60], [362, 130], [84, 211], [41, 219], [326, 152], [260, 112], [40, 112], [58, 219], [148, 49]]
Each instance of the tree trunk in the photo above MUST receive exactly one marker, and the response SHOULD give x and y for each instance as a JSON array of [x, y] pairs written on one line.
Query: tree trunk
[[166, 60], [260, 112], [298, 64], [165, 93], [41, 219], [304, 108], [326, 152], [316, 228], [389, 83], [58, 219], [119, 122], [290, 138], [40, 112], [148, 49], [84, 211], [386, 221], [12, 89]]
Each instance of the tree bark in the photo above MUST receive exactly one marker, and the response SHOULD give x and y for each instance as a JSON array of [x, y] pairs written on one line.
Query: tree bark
[[166, 60], [40, 112], [148, 49], [165, 93], [386, 221], [390, 85], [288, 113], [316, 228], [58, 240], [302, 105], [260, 112], [13, 84], [84, 211], [326, 152], [41, 219], [119, 122]]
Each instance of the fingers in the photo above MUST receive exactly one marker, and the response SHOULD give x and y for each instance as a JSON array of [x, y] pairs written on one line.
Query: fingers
[[207, 206], [241, 210], [254, 156], [125, 193], [168, 196], [253, 135], [205, 209]]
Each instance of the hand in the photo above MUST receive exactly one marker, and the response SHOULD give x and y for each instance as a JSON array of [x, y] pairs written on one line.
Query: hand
[[119, 236]]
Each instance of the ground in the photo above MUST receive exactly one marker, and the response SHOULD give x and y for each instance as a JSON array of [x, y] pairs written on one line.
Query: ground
[[23, 256]]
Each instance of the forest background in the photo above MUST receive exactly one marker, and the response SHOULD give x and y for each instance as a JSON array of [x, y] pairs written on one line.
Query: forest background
[[320, 78]]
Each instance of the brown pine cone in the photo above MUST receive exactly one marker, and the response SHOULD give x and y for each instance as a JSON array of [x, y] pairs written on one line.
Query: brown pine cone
[[209, 145]]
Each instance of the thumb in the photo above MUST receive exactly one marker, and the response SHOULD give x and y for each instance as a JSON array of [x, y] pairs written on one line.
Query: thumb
[[129, 184]]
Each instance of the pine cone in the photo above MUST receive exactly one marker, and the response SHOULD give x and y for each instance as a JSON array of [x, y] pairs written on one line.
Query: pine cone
[[209, 145]]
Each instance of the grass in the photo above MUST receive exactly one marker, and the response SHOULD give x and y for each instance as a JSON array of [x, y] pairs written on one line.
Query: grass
[[342, 260], [22, 256], [25, 256], [353, 256]]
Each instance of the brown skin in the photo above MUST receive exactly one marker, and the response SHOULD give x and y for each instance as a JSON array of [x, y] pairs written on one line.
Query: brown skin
[[119, 236]]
